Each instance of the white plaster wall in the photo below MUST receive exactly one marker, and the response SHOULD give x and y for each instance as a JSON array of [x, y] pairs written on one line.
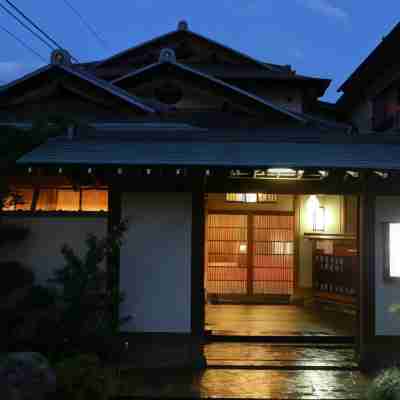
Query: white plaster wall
[[156, 262], [386, 293], [333, 209], [41, 250]]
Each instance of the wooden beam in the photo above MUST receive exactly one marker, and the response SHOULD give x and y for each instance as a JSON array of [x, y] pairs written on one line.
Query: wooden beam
[[218, 185]]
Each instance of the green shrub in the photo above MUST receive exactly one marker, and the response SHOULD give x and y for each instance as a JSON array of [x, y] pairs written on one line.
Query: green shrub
[[386, 386], [88, 306], [83, 377]]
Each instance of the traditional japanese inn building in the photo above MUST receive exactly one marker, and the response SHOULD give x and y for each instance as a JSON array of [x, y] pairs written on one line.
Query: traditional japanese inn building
[[241, 187]]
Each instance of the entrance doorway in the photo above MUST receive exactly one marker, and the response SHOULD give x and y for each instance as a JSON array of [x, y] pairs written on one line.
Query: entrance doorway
[[271, 271], [250, 256]]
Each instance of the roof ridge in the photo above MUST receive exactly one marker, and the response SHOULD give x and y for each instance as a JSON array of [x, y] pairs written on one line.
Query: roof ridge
[[269, 66]]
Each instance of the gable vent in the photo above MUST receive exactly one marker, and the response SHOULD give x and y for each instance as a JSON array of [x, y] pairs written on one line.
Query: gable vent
[[167, 55], [60, 57]]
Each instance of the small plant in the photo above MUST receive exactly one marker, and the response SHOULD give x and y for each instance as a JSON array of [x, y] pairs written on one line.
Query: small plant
[[386, 386]]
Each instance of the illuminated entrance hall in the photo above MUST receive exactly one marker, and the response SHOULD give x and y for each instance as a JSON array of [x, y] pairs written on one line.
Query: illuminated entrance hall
[[281, 265]]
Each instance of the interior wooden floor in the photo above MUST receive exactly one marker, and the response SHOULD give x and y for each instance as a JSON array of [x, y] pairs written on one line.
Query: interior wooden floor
[[277, 320]]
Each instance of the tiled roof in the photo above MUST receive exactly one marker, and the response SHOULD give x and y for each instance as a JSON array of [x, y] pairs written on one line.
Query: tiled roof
[[198, 150]]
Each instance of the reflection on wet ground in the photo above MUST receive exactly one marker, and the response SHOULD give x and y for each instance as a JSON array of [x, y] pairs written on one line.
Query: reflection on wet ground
[[244, 383], [277, 320], [287, 356], [278, 372]]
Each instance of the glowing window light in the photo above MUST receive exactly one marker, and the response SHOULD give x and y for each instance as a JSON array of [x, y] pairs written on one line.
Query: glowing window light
[[394, 253]]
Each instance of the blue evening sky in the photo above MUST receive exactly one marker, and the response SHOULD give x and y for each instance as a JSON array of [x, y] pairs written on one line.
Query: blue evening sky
[[326, 38]]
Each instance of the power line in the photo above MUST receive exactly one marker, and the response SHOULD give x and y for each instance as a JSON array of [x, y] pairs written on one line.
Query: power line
[[35, 25], [26, 26], [20, 41], [86, 23]]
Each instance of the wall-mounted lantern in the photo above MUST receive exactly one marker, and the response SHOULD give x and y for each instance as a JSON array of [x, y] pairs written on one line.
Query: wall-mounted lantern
[[317, 214]]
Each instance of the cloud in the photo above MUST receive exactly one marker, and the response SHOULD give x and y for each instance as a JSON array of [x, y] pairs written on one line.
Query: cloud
[[325, 8], [10, 70]]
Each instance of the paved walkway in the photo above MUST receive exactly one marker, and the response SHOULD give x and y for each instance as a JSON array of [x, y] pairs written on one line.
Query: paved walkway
[[255, 371]]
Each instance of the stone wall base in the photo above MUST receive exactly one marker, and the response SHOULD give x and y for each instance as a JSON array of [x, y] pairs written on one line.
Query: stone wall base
[[379, 355], [153, 350]]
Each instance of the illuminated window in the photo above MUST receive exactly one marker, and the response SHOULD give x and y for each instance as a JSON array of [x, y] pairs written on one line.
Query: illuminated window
[[19, 200], [72, 200], [94, 200], [392, 256], [251, 197], [57, 199], [67, 200], [47, 200]]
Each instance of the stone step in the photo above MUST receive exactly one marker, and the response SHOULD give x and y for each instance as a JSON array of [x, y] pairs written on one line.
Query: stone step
[[242, 384], [225, 336], [273, 356]]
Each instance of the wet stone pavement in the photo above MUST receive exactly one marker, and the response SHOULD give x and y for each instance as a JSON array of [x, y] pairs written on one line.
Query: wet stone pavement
[[255, 371]]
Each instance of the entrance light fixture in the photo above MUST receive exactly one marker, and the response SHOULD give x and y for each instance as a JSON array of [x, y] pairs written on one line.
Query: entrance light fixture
[[317, 214]]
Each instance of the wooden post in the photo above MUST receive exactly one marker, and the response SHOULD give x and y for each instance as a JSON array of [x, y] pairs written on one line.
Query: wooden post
[[113, 260], [197, 271], [250, 252], [366, 297]]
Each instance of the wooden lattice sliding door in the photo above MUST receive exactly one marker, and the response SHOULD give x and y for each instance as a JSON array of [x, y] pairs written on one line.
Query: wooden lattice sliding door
[[227, 254], [250, 254], [273, 248]]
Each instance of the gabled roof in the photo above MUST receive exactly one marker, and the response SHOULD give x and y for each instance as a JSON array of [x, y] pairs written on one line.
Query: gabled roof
[[150, 70], [385, 55], [246, 67], [182, 33], [46, 73], [376, 60]]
